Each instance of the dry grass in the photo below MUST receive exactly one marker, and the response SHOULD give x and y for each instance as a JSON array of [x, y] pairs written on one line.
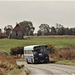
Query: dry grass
[[51, 36], [64, 54], [6, 63]]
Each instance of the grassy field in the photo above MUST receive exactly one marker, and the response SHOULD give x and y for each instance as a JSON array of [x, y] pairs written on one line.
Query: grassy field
[[7, 44]]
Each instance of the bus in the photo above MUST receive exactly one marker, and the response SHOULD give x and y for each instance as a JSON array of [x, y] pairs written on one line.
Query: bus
[[36, 54]]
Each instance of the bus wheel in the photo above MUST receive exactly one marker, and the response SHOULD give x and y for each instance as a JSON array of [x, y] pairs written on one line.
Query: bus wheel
[[32, 61], [27, 61]]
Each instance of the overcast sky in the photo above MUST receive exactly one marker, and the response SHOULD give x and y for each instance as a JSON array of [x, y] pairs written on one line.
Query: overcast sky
[[38, 12]]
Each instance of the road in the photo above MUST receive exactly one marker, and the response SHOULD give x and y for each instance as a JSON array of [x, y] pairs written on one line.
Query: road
[[49, 69]]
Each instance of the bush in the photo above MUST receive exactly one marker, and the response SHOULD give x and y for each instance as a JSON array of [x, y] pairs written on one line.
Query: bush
[[3, 53], [17, 50], [13, 51], [51, 49], [18, 66], [1, 73], [6, 63], [22, 66], [65, 54]]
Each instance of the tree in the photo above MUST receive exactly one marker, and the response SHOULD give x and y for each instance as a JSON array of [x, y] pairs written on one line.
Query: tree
[[67, 31], [8, 29], [53, 31], [27, 27], [0, 30], [58, 28], [61, 31], [72, 31], [45, 29], [39, 33]]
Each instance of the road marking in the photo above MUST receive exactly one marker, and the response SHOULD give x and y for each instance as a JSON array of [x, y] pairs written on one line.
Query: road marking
[[73, 74]]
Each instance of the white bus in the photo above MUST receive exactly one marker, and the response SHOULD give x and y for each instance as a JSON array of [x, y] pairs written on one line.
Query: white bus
[[36, 54]]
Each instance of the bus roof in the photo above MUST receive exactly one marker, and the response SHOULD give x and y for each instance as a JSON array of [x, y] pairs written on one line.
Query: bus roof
[[31, 47]]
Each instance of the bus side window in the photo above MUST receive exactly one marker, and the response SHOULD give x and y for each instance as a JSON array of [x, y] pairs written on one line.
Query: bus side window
[[24, 51], [32, 51]]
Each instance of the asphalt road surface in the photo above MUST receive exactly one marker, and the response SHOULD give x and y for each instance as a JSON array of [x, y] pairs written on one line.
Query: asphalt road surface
[[49, 69]]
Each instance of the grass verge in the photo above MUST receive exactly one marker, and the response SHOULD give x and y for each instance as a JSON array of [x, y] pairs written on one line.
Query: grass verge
[[66, 62], [22, 71], [20, 60]]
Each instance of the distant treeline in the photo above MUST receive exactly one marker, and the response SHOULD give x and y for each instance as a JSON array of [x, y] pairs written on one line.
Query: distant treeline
[[44, 29]]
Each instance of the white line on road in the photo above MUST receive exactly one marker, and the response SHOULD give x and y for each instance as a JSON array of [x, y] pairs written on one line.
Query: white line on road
[[71, 73]]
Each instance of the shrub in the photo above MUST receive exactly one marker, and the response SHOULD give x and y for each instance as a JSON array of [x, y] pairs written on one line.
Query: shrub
[[65, 54], [51, 49], [18, 66], [1, 73], [17, 50], [3, 53], [13, 51], [22, 66], [6, 63]]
